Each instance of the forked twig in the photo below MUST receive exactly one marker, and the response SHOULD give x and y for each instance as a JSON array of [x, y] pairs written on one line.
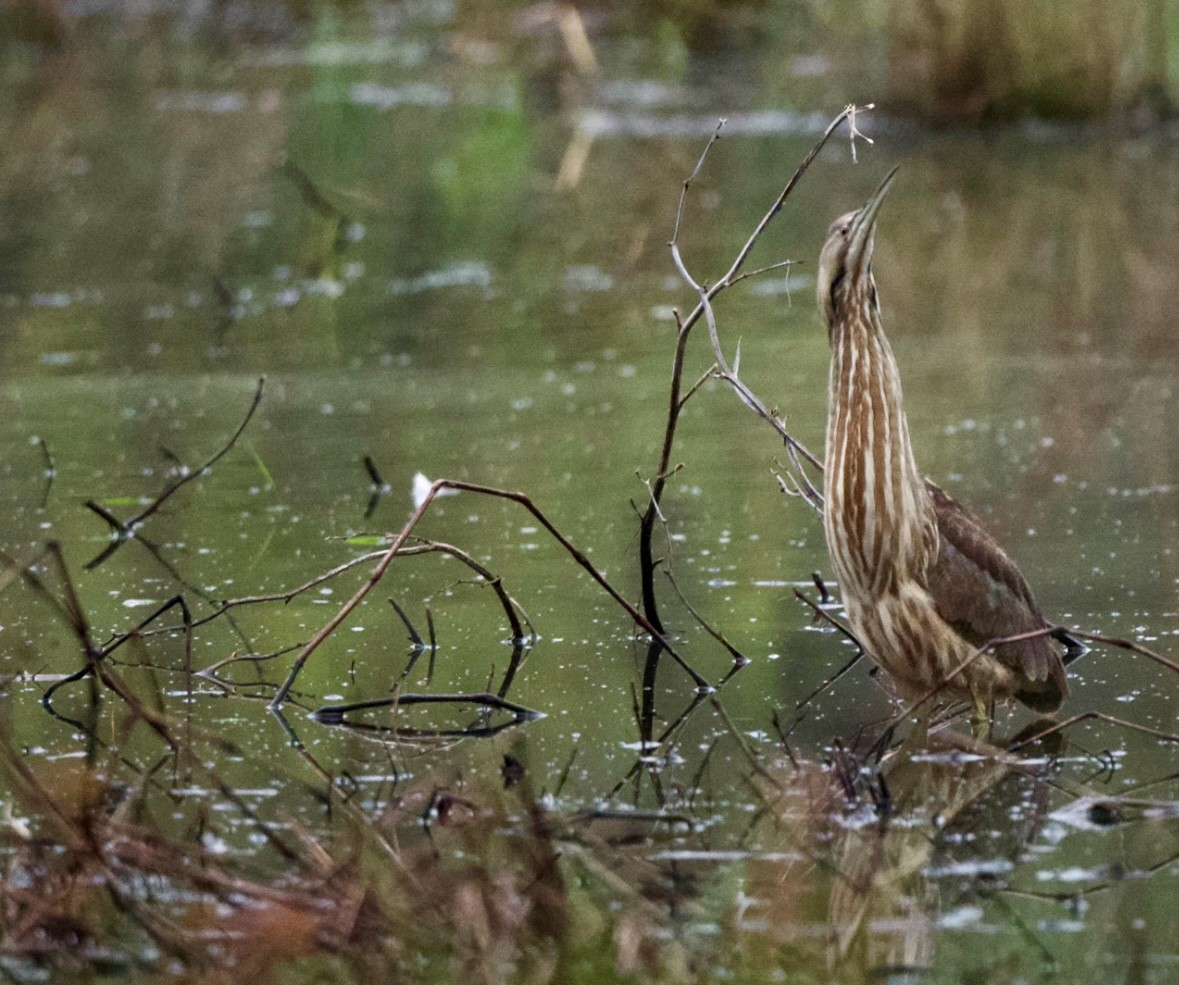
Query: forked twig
[[704, 305], [684, 326]]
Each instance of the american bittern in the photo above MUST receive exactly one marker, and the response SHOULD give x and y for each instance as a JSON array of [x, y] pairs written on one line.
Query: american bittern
[[923, 584]]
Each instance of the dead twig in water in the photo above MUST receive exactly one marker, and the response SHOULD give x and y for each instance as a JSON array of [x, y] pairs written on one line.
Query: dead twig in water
[[840, 628], [511, 607], [124, 530], [284, 597], [49, 471], [1121, 644], [1100, 716], [418, 645], [739, 658], [378, 486], [399, 541]]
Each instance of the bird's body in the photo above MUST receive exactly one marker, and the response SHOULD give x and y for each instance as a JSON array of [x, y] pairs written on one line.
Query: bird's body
[[923, 584]]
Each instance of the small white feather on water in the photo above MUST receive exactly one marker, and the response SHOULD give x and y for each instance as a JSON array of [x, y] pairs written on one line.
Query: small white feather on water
[[421, 489]]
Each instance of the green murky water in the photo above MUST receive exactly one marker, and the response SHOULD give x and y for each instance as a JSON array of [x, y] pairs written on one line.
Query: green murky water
[[445, 250]]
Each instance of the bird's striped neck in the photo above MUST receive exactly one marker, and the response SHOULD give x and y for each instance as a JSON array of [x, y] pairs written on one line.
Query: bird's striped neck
[[878, 519]]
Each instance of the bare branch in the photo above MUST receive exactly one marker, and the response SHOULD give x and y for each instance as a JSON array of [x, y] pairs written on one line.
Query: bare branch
[[679, 214], [1100, 716], [684, 326], [853, 131], [284, 597], [764, 270], [1123, 644]]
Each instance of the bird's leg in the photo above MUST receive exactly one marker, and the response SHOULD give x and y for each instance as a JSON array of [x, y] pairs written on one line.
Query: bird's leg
[[982, 715]]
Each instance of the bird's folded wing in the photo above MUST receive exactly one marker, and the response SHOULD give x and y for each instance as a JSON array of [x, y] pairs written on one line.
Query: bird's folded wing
[[980, 592]]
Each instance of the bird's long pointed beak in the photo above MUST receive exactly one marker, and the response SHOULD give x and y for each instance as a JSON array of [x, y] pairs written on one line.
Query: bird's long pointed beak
[[863, 226]]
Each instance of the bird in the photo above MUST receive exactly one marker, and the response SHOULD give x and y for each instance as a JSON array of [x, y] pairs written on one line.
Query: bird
[[924, 585]]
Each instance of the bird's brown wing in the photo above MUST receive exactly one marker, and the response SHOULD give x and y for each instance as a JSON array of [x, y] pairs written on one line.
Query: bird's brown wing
[[980, 592]]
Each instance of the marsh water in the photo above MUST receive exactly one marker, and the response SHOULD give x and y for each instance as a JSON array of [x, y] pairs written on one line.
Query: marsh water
[[442, 242]]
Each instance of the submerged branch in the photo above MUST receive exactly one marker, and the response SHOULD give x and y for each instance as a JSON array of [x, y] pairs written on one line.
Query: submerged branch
[[334, 714]]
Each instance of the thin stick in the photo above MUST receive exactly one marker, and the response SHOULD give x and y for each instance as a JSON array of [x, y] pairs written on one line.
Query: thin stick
[[210, 673], [765, 270], [826, 616], [374, 476], [652, 513], [829, 682], [705, 297], [431, 647], [1122, 644], [99, 653], [1100, 716], [651, 743], [520, 651], [716, 634], [806, 487], [188, 477], [726, 279], [743, 744], [1072, 894], [684, 327], [124, 530], [49, 471], [284, 597], [310, 192], [414, 638], [687, 183], [784, 735]]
